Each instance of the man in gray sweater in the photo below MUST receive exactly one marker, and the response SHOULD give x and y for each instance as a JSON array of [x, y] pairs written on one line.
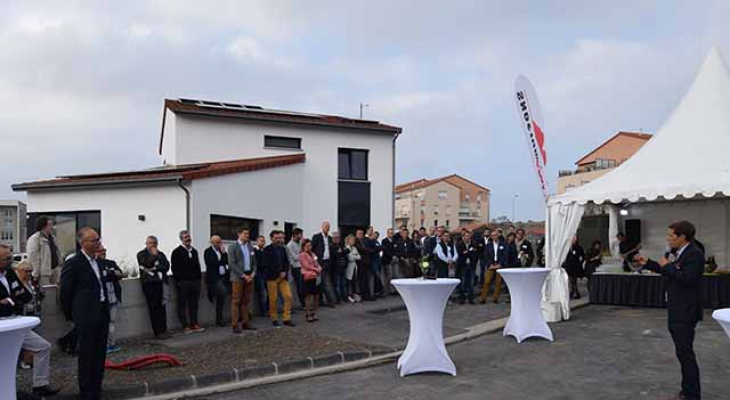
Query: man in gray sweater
[[293, 249]]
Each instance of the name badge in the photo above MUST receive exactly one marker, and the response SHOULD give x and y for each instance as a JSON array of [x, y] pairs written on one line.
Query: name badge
[[574, 252], [103, 273], [14, 285], [501, 247]]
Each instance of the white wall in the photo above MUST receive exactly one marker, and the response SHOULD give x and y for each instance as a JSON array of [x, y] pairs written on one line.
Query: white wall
[[169, 144], [268, 195], [711, 217], [123, 235], [204, 139]]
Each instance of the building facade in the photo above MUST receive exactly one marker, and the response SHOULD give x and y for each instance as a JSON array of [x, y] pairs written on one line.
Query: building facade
[[451, 201], [13, 225], [226, 166], [604, 158]]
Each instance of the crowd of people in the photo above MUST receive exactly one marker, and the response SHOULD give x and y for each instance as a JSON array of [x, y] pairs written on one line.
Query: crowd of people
[[327, 269]]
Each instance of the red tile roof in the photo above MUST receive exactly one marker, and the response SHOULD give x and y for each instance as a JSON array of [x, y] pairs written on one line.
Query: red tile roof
[[166, 173], [421, 183], [637, 135], [260, 114]]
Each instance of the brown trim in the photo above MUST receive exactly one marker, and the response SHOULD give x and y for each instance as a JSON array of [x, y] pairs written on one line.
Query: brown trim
[[422, 183]]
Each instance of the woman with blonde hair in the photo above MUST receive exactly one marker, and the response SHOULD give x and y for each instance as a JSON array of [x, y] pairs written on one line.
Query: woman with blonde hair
[[352, 258]]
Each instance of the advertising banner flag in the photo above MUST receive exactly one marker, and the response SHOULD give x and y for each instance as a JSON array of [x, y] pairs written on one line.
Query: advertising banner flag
[[530, 114]]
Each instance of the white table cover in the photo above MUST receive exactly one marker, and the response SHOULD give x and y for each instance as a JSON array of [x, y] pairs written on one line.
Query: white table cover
[[525, 290], [426, 302], [723, 318], [12, 332]]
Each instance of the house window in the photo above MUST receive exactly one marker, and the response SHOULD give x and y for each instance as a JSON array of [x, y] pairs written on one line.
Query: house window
[[448, 210], [443, 194], [7, 235], [467, 197], [435, 222], [227, 227], [435, 210], [448, 223], [397, 197], [353, 164], [479, 212], [283, 142], [479, 197]]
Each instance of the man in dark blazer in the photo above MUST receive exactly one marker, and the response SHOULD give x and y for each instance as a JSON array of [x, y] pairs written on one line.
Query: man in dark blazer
[[683, 267], [185, 265], [84, 300], [466, 266], [495, 257], [321, 245], [275, 268], [217, 276]]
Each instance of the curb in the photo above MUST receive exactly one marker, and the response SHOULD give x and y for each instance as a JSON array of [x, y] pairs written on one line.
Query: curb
[[265, 374]]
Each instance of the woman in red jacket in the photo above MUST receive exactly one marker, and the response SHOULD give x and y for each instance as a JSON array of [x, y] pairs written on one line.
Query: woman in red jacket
[[310, 274]]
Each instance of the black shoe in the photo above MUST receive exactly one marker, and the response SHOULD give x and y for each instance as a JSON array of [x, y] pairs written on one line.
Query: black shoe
[[289, 324], [471, 301], [45, 391], [248, 327], [331, 305], [163, 336], [276, 323], [462, 301], [237, 330]]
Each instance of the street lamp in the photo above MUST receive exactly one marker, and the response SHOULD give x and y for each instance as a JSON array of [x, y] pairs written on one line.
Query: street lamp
[[363, 105], [514, 199]]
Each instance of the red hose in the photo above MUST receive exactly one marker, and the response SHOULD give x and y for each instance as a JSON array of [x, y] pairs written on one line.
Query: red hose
[[145, 361]]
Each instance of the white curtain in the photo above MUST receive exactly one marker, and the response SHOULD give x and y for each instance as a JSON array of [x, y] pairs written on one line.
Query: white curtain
[[561, 224]]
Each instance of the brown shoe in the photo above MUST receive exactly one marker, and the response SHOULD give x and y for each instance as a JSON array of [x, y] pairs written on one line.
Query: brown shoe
[[495, 301], [187, 330], [197, 328]]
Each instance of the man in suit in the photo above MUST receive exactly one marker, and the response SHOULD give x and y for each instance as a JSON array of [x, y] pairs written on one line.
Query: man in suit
[[466, 267], [13, 295], [243, 275], [321, 245], [84, 300], [525, 254], [276, 271], [683, 268], [185, 264], [261, 292], [389, 261], [217, 276], [364, 266], [496, 258]]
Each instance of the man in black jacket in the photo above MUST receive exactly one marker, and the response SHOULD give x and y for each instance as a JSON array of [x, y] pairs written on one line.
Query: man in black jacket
[[153, 268], [389, 261], [525, 254], [114, 275], [188, 277], [275, 268], [84, 300], [217, 276], [466, 266], [683, 267], [13, 295]]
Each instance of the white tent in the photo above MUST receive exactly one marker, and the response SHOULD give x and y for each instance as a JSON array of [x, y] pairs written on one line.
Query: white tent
[[686, 161]]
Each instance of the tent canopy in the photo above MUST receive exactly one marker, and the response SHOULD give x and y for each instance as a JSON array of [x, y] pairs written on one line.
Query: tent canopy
[[687, 157]]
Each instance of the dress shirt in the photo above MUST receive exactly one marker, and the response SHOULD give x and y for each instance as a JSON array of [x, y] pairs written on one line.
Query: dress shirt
[[246, 256], [495, 244], [95, 267], [325, 239]]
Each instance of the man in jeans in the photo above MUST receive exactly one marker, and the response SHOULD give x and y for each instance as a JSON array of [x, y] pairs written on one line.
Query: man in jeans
[[188, 279], [321, 244], [294, 249], [242, 261], [275, 270]]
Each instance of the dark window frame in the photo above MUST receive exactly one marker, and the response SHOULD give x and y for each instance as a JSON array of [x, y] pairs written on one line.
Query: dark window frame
[[32, 217], [296, 143], [254, 227], [349, 174]]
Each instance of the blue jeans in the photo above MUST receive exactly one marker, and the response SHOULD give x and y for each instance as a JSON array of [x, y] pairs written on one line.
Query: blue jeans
[[339, 283], [377, 284], [262, 295], [466, 288], [296, 274]]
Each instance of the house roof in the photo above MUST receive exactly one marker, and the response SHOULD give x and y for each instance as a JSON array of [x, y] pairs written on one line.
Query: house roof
[[422, 183], [637, 135], [260, 114], [165, 173]]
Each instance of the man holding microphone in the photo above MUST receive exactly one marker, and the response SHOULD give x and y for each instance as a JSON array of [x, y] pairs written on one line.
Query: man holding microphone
[[683, 267]]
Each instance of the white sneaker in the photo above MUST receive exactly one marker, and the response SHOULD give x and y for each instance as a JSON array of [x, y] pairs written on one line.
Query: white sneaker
[[350, 299]]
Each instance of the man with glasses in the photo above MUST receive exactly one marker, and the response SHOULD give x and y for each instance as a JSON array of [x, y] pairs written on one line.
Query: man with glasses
[[85, 301], [153, 267], [188, 279], [13, 295]]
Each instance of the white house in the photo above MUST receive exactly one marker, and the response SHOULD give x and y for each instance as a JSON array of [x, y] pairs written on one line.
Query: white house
[[230, 165]]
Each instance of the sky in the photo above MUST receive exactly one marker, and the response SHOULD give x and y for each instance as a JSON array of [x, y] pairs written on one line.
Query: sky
[[82, 83]]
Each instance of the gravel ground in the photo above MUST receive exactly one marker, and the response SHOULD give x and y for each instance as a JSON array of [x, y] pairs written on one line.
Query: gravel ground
[[209, 357]]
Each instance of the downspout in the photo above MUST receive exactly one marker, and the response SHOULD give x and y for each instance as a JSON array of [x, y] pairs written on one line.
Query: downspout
[[187, 203], [392, 192]]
